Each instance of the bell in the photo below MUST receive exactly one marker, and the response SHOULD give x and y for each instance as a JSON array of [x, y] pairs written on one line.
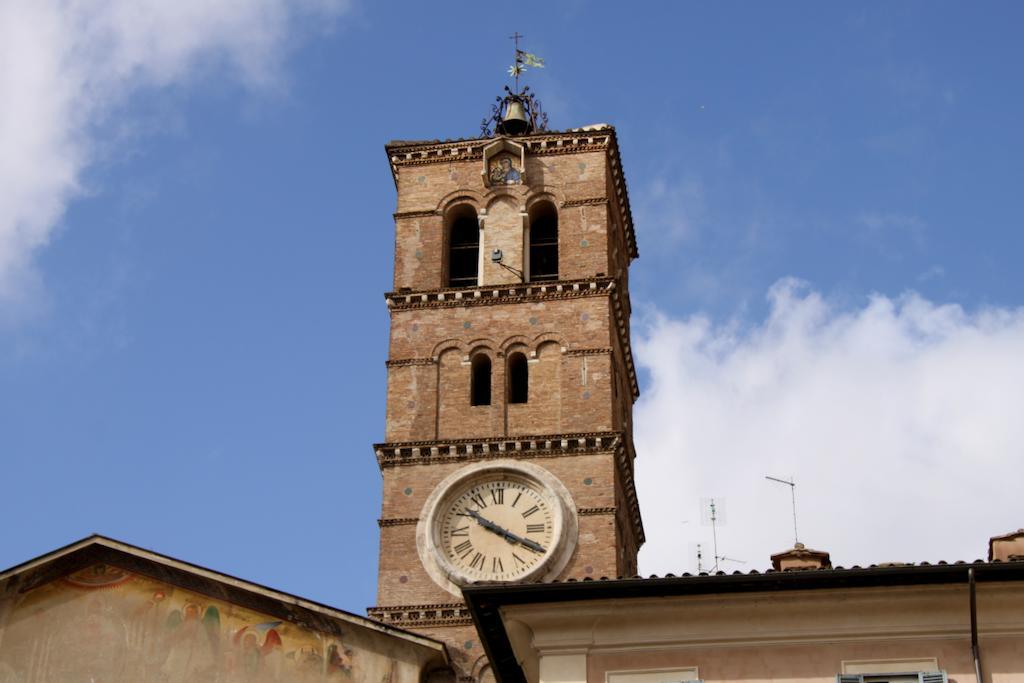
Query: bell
[[514, 122]]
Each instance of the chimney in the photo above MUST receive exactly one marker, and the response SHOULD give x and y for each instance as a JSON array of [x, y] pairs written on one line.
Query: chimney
[[800, 557], [1007, 547]]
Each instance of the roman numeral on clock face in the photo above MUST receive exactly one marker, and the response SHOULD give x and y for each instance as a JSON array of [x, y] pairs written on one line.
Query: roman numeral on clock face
[[479, 501], [531, 511], [478, 561], [498, 496], [531, 529], [496, 565], [463, 549], [461, 531]]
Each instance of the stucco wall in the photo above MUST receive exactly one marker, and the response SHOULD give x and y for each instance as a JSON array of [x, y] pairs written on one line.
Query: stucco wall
[[106, 624]]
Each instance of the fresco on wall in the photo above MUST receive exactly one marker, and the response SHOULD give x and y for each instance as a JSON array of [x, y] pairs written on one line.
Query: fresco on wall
[[104, 624]]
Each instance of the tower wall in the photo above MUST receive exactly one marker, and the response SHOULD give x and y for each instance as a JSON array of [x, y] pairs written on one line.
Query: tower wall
[[572, 357], [573, 330]]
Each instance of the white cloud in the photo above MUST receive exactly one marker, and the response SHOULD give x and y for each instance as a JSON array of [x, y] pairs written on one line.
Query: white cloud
[[70, 63], [901, 422]]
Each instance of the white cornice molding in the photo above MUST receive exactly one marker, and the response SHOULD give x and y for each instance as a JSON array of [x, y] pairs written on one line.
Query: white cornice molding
[[868, 615]]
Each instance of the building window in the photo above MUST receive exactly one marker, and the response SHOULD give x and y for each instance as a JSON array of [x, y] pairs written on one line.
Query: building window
[[480, 382], [688, 675], [897, 677], [543, 242], [463, 247], [518, 379]]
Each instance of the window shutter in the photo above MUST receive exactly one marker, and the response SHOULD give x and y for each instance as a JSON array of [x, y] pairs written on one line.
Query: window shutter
[[849, 678], [932, 677]]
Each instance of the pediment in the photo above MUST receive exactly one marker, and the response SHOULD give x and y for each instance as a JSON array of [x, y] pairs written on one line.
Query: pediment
[[102, 610]]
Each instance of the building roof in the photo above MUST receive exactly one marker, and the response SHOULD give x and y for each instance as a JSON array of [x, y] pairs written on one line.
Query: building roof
[[485, 601], [98, 549]]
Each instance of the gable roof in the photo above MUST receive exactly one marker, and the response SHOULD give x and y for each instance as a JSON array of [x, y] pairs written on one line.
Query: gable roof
[[97, 549]]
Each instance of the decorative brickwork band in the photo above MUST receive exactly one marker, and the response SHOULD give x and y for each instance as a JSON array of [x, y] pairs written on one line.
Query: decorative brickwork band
[[409, 361], [416, 214], [419, 153], [427, 452], [586, 201], [622, 324], [416, 616], [589, 352], [622, 194], [624, 457], [499, 294], [596, 511], [397, 521]]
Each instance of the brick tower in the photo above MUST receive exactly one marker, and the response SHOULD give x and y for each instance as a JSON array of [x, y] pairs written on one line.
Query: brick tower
[[509, 371]]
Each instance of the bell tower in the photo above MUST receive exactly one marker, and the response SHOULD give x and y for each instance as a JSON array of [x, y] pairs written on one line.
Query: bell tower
[[508, 452]]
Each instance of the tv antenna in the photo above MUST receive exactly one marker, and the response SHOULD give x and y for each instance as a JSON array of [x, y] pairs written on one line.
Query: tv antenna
[[715, 513], [714, 531], [791, 483], [700, 567]]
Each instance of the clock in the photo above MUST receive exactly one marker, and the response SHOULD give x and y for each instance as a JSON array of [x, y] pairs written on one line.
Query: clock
[[497, 521]]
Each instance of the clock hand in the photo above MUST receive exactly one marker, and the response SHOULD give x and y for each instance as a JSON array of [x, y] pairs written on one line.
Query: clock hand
[[489, 525], [502, 531], [532, 545]]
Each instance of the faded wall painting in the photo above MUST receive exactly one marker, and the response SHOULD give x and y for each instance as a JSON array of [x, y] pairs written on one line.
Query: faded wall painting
[[104, 624]]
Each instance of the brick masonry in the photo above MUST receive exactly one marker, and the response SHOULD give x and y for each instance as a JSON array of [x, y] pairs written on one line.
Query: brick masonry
[[575, 339]]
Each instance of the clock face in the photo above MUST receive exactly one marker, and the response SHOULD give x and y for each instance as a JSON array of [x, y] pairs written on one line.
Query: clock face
[[500, 526], [498, 520]]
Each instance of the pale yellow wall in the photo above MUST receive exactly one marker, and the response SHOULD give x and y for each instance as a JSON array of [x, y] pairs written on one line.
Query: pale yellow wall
[[106, 624], [781, 637], [781, 663]]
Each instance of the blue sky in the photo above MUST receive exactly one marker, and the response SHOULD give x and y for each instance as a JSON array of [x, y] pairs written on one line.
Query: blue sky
[[198, 232]]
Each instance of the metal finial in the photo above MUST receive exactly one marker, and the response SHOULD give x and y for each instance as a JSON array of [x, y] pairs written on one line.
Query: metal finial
[[516, 59], [519, 111]]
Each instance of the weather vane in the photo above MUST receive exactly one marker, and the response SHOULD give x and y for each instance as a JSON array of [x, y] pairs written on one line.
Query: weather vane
[[518, 112], [522, 60]]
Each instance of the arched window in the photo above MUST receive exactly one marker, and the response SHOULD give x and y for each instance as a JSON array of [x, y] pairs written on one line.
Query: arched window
[[518, 379], [463, 247], [543, 242], [480, 382]]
